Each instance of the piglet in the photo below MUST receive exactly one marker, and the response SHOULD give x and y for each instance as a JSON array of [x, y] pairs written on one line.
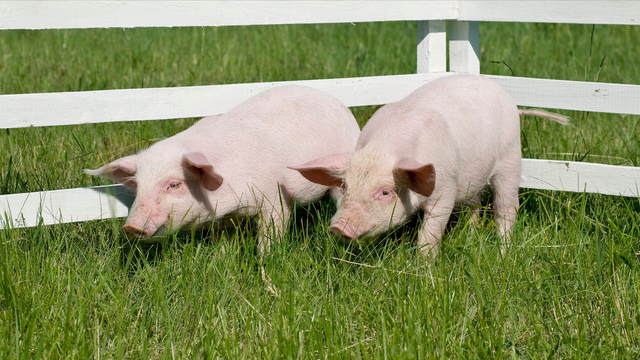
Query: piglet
[[435, 149], [234, 164]]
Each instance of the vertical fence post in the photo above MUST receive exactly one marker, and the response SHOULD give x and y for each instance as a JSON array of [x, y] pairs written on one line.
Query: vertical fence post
[[464, 47], [432, 46]]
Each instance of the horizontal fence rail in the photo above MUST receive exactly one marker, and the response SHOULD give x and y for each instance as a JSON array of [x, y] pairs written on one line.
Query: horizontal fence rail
[[544, 11], [112, 201], [73, 108], [126, 14], [64, 14], [69, 108], [580, 177], [64, 206]]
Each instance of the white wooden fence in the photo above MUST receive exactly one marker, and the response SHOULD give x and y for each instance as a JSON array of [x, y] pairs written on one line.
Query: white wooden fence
[[50, 109]]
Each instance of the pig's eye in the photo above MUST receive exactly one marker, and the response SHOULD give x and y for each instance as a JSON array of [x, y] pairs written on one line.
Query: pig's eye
[[384, 193], [174, 185], [343, 186]]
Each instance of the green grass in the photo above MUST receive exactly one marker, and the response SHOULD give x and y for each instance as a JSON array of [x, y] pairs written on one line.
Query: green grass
[[567, 287]]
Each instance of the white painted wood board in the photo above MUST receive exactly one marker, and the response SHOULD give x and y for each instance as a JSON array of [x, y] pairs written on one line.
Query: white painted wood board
[[545, 11], [57, 14], [68, 108], [432, 46], [64, 206], [464, 47], [572, 95], [580, 177], [49, 109], [103, 202]]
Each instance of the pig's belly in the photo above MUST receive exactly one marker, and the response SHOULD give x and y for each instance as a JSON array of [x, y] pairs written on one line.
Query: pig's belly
[[471, 183]]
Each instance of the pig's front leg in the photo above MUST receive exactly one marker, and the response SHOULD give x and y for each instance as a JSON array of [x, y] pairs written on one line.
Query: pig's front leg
[[272, 222], [474, 206], [436, 217]]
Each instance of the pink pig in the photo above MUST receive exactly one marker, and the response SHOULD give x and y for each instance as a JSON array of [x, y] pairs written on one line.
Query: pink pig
[[234, 164], [435, 149]]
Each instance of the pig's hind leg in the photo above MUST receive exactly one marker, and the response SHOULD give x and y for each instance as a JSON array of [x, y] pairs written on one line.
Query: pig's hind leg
[[505, 184]]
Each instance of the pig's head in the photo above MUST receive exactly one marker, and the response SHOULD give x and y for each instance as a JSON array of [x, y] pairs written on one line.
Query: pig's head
[[169, 186], [376, 189]]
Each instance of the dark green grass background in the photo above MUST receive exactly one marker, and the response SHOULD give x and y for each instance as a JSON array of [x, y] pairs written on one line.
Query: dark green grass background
[[567, 288]]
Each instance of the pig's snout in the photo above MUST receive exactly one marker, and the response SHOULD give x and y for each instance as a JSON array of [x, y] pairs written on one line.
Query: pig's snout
[[344, 229], [136, 232]]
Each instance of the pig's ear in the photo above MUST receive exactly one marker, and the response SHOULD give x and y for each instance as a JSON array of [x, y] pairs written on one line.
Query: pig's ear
[[198, 165], [122, 170], [420, 178], [325, 171]]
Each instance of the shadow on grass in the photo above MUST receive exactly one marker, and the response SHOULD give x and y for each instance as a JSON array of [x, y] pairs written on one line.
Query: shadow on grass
[[404, 237], [238, 234], [135, 255], [308, 232]]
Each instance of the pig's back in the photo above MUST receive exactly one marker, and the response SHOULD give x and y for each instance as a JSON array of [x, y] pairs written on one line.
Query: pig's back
[[289, 125], [471, 104], [297, 118], [476, 123], [476, 109]]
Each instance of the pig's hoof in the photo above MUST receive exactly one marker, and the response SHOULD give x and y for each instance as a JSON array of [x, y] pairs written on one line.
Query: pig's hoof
[[429, 252]]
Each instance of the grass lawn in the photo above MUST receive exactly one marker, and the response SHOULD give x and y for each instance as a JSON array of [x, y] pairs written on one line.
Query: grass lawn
[[568, 287]]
